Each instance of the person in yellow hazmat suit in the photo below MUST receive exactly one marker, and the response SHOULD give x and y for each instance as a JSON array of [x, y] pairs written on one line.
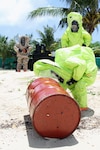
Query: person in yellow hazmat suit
[[74, 68], [75, 33]]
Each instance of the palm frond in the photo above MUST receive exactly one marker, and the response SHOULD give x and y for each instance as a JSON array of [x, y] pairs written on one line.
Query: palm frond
[[47, 11], [63, 22], [88, 8]]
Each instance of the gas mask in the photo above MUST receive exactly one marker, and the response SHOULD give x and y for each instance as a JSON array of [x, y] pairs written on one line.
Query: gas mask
[[23, 41], [74, 26]]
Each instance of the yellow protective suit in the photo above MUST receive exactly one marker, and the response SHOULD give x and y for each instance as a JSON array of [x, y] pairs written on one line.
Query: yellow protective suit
[[75, 69], [71, 38]]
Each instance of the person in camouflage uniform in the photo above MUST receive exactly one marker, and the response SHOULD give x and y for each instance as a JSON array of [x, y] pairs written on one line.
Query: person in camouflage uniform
[[22, 49]]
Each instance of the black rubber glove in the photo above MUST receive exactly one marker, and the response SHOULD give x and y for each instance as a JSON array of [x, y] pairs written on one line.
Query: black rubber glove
[[20, 50], [60, 79], [83, 45], [72, 81]]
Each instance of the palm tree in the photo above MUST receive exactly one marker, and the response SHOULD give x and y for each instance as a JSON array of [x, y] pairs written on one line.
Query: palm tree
[[90, 12], [53, 11], [6, 50], [88, 8], [3, 49], [47, 38], [96, 48], [11, 44]]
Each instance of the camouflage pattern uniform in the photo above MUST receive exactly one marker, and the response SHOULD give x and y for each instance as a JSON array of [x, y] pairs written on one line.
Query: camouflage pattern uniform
[[22, 49]]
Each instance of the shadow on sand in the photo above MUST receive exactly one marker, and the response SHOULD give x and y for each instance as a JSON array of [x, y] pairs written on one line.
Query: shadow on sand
[[37, 141], [87, 113]]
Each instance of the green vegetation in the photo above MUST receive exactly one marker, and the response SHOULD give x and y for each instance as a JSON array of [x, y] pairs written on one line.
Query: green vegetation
[[96, 48], [47, 37], [88, 8], [91, 18]]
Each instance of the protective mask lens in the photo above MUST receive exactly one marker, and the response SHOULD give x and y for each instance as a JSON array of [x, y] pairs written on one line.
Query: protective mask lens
[[75, 26], [23, 41]]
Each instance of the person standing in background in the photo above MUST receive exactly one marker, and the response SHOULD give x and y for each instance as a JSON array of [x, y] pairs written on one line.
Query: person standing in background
[[22, 49], [75, 33]]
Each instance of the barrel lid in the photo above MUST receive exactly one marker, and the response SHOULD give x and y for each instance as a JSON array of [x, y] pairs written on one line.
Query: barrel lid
[[57, 116]]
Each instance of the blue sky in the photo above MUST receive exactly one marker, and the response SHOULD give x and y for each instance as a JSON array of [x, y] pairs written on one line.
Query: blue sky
[[14, 13]]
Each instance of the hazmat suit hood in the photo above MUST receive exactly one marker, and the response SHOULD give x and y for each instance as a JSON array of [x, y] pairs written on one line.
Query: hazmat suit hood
[[74, 18], [75, 33], [24, 41]]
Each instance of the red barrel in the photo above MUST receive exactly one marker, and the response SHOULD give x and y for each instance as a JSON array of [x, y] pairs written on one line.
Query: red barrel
[[54, 113]]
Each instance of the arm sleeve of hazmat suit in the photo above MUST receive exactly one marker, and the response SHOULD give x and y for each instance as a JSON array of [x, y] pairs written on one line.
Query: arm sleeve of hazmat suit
[[78, 66], [64, 40], [29, 48], [16, 48], [86, 37], [70, 60], [91, 70]]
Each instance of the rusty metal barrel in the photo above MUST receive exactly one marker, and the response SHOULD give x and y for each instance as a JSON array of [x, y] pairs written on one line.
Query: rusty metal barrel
[[54, 113]]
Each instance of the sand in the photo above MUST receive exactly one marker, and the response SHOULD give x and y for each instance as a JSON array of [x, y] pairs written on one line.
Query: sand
[[16, 130]]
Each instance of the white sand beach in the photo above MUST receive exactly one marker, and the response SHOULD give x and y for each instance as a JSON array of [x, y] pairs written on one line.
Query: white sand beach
[[16, 130]]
